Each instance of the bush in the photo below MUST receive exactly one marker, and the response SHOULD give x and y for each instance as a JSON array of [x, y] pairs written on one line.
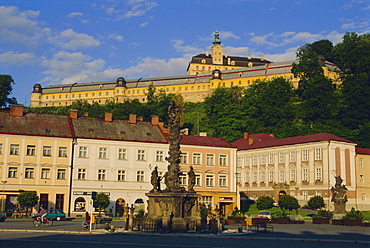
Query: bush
[[323, 214], [264, 202], [280, 214], [353, 215], [237, 213], [288, 202], [316, 202]]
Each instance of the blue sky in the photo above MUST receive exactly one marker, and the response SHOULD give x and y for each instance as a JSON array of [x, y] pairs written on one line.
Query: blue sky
[[54, 42]]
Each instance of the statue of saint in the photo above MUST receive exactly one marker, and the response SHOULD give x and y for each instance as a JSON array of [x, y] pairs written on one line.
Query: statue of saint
[[154, 180], [191, 179]]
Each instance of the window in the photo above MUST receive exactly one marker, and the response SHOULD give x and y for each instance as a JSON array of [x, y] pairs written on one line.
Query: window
[[46, 151], [62, 152], [223, 160], [305, 194], [61, 174], [247, 160], [293, 156], [263, 159], [45, 173], [140, 176], [361, 161], [318, 154], [141, 155], [318, 174], [254, 177], [183, 179], [238, 178], [121, 175], [14, 149], [271, 176], [292, 175], [305, 175], [82, 153], [121, 153], [255, 160], [362, 179], [281, 157], [196, 158], [103, 152], [197, 180], [81, 174], [222, 182], [209, 180], [210, 159], [239, 161], [13, 171], [318, 193], [101, 175], [271, 158], [282, 176], [184, 158], [363, 197], [205, 200], [31, 150], [263, 176], [1, 149], [247, 177], [29, 173], [159, 156], [305, 155]]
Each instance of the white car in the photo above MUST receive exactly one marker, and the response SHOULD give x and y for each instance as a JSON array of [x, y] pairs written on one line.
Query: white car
[[264, 214]]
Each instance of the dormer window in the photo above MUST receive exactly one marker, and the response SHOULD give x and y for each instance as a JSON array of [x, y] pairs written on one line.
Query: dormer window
[[216, 74], [203, 61]]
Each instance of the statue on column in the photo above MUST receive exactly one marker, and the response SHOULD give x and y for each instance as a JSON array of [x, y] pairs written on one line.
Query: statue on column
[[338, 196], [191, 179], [155, 180]]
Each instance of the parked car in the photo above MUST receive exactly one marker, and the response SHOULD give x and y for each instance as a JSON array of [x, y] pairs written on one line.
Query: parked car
[[2, 217], [55, 214], [264, 214]]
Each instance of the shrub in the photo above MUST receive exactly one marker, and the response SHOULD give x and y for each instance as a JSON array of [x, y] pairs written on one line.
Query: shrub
[[323, 214], [353, 215], [237, 213], [316, 202], [280, 214], [264, 202], [288, 202]]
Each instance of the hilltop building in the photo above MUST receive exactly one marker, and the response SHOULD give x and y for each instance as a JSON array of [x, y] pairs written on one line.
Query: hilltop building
[[205, 73]]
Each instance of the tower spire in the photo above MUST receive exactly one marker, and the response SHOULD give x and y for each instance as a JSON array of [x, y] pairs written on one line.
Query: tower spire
[[216, 40]]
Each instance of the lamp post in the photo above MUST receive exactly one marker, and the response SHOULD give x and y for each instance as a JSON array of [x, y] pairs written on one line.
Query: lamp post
[[4, 198]]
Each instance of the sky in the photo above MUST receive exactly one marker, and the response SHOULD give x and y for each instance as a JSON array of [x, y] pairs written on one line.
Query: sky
[[58, 42]]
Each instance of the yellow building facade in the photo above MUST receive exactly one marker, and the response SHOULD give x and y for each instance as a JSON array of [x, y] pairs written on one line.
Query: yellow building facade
[[363, 179]]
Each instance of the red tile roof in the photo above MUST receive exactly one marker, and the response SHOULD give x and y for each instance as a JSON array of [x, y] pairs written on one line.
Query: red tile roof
[[263, 141], [364, 151], [205, 141]]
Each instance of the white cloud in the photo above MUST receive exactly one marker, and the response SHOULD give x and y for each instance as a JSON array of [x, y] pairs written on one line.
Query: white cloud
[[144, 24], [178, 45], [228, 34], [289, 54], [139, 7], [132, 8], [236, 51], [74, 14], [68, 39], [16, 59], [116, 37]]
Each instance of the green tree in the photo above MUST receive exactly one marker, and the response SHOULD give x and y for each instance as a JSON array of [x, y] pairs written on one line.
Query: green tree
[[288, 202], [264, 202], [27, 199], [6, 88], [101, 202], [316, 202]]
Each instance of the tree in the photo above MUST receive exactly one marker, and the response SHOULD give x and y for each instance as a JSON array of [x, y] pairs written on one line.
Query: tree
[[101, 202], [264, 202], [6, 88], [316, 202], [27, 199], [288, 202]]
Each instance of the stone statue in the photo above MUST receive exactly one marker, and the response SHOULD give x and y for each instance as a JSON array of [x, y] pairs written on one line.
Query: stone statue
[[338, 196], [154, 180], [191, 179]]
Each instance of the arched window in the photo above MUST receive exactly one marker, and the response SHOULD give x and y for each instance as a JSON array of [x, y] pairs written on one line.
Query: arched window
[[139, 204], [80, 204]]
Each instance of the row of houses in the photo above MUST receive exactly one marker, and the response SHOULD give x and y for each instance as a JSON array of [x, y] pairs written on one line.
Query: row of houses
[[63, 158]]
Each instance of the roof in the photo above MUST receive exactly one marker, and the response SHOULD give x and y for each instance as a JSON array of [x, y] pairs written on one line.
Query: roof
[[239, 61], [96, 128], [262, 140], [364, 151], [35, 124], [205, 141]]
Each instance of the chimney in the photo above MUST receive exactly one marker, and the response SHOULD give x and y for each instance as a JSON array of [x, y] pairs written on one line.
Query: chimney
[[250, 141], [140, 118], [184, 131], [86, 114], [16, 110], [155, 120], [108, 117], [249, 56], [132, 119], [246, 135], [207, 53], [262, 58], [272, 135], [226, 55], [204, 134], [73, 114]]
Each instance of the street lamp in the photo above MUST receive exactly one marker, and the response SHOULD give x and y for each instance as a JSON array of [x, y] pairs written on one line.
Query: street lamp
[[4, 198]]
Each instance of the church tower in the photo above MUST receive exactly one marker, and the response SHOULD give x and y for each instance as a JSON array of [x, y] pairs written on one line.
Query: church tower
[[217, 57]]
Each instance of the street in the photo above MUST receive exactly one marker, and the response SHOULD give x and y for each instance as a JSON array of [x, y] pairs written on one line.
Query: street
[[22, 233]]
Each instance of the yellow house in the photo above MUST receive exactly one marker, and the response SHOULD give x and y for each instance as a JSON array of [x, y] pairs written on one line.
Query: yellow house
[[35, 152], [363, 178]]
